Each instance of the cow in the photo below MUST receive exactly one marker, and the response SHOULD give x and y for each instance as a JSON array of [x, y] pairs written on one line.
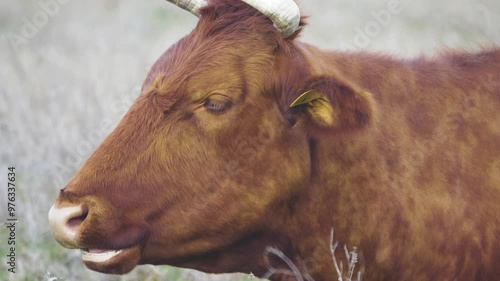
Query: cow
[[250, 151]]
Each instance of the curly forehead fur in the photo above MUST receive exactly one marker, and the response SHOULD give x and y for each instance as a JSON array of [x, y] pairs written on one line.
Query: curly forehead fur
[[226, 29]]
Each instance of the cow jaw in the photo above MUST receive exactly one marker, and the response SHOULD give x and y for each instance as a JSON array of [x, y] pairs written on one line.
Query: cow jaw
[[111, 261]]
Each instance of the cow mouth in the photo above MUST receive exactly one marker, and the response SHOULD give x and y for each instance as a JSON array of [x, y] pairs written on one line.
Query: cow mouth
[[98, 255], [115, 261]]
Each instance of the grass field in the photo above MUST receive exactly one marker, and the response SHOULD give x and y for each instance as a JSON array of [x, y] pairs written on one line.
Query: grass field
[[68, 75]]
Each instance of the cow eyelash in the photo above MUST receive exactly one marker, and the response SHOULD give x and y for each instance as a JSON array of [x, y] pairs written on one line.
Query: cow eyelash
[[217, 106]]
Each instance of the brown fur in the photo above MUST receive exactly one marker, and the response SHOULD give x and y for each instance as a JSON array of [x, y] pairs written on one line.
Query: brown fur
[[409, 173]]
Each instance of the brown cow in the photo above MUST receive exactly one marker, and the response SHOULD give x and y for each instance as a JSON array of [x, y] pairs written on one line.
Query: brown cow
[[244, 138]]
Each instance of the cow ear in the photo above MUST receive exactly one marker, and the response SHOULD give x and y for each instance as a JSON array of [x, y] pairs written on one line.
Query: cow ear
[[331, 106]]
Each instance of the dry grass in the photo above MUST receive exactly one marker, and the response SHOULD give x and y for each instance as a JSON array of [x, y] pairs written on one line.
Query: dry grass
[[83, 68]]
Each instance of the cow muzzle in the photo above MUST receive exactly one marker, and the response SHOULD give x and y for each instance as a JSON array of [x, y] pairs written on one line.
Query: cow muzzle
[[65, 223]]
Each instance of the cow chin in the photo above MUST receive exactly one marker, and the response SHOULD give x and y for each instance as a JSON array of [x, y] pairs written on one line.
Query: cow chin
[[112, 261]]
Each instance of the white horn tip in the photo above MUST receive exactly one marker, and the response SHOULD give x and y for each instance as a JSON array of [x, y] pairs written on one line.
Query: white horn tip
[[285, 14], [193, 6], [290, 21]]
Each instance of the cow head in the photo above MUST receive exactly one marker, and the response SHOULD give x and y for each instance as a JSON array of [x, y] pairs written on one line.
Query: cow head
[[205, 169]]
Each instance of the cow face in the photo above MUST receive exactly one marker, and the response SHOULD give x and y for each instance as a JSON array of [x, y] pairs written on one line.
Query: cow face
[[207, 161], [197, 164]]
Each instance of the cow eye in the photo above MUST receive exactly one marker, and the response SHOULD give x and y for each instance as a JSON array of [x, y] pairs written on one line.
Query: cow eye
[[217, 105]]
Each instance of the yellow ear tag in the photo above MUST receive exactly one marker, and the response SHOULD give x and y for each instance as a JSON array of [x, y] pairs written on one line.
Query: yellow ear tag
[[318, 106], [307, 97]]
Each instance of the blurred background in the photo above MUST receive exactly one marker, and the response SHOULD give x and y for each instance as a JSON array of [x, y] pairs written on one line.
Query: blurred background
[[69, 73]]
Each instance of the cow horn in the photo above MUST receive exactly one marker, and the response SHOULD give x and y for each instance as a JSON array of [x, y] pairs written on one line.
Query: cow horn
[[285, 14], [191, 6]]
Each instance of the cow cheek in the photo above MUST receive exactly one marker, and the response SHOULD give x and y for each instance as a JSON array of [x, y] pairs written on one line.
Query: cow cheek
[[271, 174]]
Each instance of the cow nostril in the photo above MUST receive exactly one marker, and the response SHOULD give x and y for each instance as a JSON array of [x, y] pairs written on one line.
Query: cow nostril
[[64, 223], [76, 221], [77, 218]]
